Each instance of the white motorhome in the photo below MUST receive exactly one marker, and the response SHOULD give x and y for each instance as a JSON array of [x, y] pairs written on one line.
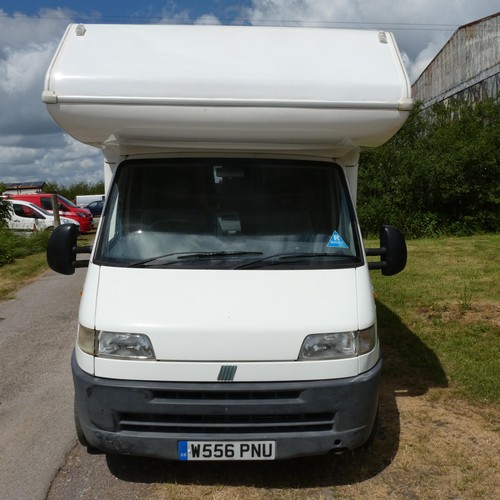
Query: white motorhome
[[227, 311]]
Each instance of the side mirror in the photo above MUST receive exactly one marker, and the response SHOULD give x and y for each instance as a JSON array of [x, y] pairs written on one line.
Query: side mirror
[[392, 251], [62, 250]]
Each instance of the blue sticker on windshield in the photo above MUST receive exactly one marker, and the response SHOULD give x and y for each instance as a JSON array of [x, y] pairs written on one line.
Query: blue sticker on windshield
[[336, 241]]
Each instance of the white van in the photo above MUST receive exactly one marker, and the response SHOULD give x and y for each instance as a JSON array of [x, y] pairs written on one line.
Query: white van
[[83, 200], [27, 217], [227, 311]]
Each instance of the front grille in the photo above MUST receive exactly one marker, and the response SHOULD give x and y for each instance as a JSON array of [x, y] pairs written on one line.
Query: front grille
[[226, 424], [201, 410], [224, 395]]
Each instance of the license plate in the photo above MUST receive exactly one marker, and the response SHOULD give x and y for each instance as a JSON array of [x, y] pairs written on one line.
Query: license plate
[[226, 450]]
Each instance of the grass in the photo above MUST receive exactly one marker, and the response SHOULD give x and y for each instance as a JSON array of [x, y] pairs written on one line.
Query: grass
[[441, 316], [22, 258], [16, 274]]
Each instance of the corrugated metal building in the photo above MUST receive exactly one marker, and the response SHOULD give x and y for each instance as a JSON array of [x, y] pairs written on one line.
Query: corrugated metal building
[[467, 67]]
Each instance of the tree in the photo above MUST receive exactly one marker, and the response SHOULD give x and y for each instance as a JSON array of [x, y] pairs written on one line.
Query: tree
[[72, 191], [438, 175]]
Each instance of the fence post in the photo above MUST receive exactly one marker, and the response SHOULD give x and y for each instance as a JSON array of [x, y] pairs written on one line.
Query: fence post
[[55, 210]]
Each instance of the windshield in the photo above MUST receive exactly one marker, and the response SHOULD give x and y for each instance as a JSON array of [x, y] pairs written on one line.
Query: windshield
[[40, 209], [229, 213], [69, 203]]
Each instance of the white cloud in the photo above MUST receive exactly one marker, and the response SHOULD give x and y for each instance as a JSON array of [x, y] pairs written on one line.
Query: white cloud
[[22, 67], [71, 162], [207, 19], [19, 30], [60, 159], [22, 70], [32, 146], [424, 57]]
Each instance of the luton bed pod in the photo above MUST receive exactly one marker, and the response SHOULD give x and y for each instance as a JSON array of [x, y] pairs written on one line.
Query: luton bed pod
[[131, 88]]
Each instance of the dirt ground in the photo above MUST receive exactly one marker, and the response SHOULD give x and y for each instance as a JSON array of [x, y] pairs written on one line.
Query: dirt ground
[[427, 446]]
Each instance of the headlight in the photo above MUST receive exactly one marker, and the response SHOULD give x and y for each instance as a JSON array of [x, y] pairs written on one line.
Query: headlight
[[125, 345], [338, 345]]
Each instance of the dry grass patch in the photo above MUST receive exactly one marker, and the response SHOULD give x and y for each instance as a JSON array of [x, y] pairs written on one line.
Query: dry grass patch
[[476, 312], [14, 276]]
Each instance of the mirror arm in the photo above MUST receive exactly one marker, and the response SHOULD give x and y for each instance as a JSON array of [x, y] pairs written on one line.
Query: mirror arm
[[77, 250], [373, 252], [85, 249]]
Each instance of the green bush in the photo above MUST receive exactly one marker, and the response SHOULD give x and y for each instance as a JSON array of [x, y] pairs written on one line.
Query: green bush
[[15, 246], [438, 175], [4, 211]]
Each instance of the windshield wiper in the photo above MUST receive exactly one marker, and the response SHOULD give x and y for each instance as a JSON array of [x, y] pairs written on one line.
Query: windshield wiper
[[189, 256], [290, 258], [209, 255]]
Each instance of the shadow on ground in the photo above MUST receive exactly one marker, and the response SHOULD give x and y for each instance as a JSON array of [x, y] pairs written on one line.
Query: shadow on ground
[[410, 369]]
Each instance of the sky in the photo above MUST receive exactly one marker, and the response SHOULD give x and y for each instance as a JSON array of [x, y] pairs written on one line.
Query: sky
[[34, 148]]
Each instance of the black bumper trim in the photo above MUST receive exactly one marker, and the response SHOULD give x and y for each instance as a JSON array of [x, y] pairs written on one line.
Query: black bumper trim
[[149, 418]]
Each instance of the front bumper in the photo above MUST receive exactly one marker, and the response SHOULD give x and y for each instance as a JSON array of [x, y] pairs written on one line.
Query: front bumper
[[150, 418], [86, 225]]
